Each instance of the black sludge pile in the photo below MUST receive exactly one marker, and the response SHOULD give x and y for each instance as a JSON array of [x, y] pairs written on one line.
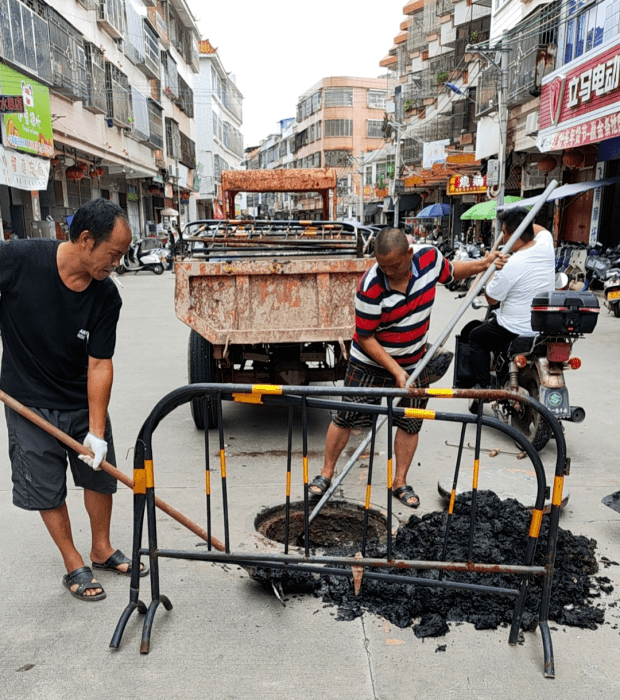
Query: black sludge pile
[[500, 537]]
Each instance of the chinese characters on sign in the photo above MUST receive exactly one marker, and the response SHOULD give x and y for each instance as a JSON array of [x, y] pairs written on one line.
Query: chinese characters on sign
[[23, 171], [590, 132], [467, 184], [599, 80], [11, 104]]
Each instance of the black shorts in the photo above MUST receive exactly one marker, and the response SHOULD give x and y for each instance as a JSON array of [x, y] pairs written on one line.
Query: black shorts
[[39, 461], [378, 378]]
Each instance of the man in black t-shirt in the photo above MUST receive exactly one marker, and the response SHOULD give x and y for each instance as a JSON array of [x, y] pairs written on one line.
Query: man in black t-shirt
[[58, 316]]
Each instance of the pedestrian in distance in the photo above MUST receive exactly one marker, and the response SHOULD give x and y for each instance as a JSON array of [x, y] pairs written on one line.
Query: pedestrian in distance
[[393, 305], [58, 319]]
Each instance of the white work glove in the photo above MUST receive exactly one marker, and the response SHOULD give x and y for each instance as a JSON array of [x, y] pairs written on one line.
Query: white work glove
[[98, 447]]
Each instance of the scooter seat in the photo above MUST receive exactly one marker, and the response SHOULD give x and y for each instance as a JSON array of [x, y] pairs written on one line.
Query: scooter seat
[[522, 344]]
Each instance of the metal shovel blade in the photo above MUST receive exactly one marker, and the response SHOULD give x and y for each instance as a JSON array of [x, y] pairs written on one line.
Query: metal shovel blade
[[613, 501]]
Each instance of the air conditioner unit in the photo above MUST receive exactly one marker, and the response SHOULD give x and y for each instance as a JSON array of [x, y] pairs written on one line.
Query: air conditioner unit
[[107, 22], [173, 171], [531, 124], [89, 4]]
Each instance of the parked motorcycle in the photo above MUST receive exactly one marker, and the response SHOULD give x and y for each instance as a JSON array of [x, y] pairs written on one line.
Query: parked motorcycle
[[465, 252], [137, 259], [611, 289], [534, 365]]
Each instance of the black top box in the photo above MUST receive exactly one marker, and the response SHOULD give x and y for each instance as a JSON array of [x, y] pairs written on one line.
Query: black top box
[[565, 313]]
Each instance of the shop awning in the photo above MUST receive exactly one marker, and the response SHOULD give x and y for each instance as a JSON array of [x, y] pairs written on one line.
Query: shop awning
[[567, 191], [409, 202]]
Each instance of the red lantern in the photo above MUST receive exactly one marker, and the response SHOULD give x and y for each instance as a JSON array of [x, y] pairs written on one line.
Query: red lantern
[[83, 167], [74, 173], [547, 164], [573, 159], [96, 172]]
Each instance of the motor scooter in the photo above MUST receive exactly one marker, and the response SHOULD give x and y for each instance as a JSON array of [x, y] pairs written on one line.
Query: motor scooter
[[611, 289], [534, 365], [137, 259]]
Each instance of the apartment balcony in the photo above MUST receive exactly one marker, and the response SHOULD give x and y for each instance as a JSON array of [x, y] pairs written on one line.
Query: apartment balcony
[[150, 63]]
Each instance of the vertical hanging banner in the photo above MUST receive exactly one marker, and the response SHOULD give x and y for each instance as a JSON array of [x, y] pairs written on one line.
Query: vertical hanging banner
[[29, 130]]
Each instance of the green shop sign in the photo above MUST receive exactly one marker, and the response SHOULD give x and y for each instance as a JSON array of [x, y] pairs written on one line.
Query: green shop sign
[[31, 130]]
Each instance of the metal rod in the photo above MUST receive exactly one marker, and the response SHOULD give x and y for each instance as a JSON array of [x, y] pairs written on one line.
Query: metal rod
[[289, 456], [450, 513], [371, 458], [205, 413], [474, 485], [220, 424], [390, 421], [439, 342], [304, 448]]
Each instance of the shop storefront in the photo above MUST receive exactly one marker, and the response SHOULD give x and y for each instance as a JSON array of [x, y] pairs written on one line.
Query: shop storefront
[[580, 125], [25, 154]]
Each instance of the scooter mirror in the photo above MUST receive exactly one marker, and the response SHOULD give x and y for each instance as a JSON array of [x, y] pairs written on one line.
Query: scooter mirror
[[477, 304], [561, 280]]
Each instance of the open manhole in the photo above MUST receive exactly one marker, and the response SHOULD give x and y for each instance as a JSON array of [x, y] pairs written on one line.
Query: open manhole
[[340, 524]]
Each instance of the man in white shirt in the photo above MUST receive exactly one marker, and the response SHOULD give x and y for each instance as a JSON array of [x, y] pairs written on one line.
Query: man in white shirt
[[530, 271]]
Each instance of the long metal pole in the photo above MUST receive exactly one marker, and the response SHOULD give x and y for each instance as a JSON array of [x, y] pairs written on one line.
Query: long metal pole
[[360, 216], [438, 343], [502, 108]]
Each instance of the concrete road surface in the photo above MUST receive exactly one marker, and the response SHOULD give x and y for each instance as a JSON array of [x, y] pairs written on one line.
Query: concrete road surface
[[226, 637]]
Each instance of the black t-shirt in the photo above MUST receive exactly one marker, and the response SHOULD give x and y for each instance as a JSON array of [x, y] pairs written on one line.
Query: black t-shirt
[[48, 330]]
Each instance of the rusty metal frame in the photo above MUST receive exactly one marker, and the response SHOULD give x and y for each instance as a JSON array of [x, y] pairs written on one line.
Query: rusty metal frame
[[321, 180], [322, 397]]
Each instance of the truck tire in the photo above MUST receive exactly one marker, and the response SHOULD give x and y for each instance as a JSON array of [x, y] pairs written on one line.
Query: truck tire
[[200, 369], [530, 422]]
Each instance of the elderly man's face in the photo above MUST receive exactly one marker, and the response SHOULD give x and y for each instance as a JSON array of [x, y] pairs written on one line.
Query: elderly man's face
[[101, 260]]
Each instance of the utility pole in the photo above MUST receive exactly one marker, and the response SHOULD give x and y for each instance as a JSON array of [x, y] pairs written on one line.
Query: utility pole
[[502, 108], [396, 177], [360, 216]]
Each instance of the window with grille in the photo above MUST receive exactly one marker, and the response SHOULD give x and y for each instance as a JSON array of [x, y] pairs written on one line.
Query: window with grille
[[68, 58], [78, 192], [338, 127], [173, 139], [374, 128], [376, 99], [188, 151], [118, 95], [95, 80], [156, 125], [171, 75], [338, 97], [337, 158], [368, 175]]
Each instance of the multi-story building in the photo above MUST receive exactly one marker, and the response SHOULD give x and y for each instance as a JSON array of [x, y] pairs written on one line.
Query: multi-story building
[[338, 121], [559, 63], [108, 109], [220, 143]]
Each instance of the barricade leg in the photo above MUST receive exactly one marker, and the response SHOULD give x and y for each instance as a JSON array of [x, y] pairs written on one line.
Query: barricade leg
[[390, 423], [289, 459], [207, 475], [474, 486], [220, 422], [371, 458], [450, 513], [304, 431]]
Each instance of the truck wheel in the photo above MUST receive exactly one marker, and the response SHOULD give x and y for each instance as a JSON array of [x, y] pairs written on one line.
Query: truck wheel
[[530, 422], [200, 369]]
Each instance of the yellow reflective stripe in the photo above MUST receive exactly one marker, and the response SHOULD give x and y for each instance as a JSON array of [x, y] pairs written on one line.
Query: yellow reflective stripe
[[139, 481], [558, 485], [150, 476], [247, 398], [440, 392], [223, 464], [389, 473], [421, 413], [288, 484], [452, 499], [305, 469], [367, 505], [266, 389], [536, 522], [208, 482], [476, 473]]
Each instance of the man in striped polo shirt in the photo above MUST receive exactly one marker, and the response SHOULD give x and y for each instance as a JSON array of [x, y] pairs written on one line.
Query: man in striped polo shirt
[[393, 306]]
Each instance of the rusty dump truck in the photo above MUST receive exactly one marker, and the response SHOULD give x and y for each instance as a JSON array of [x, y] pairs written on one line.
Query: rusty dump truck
[[269, 301]]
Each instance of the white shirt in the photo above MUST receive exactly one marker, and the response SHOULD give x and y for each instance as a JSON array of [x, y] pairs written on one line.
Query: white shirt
[[527, 273]]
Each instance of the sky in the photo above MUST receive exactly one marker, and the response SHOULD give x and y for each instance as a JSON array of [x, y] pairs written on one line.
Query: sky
[[278, 50]]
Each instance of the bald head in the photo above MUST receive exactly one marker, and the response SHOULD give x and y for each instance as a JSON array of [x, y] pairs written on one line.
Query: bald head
[[390, 240]]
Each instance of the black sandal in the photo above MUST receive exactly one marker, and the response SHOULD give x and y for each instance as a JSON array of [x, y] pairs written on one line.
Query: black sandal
[[322, 483], [404, 493], [84, 577], [115, 560]]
